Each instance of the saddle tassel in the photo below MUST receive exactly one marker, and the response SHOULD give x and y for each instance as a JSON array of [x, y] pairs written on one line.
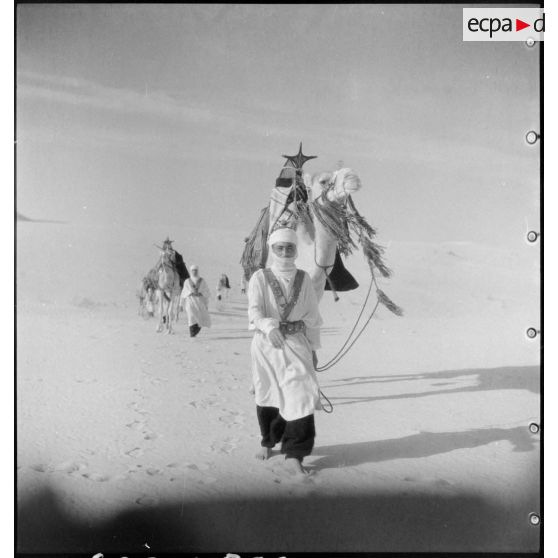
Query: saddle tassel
[[332, 289]]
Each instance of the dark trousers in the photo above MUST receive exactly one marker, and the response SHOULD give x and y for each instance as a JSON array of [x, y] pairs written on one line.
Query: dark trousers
[[296, 436]]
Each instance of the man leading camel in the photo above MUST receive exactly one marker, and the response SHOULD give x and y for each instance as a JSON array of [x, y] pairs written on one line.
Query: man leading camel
[[195, 299], [283, 310]]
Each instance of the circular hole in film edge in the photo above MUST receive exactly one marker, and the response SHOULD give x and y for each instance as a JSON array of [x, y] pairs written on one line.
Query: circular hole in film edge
[[531, 332], [534, 519], [532, 236], [530, 42], [531, 137], [534, 428]]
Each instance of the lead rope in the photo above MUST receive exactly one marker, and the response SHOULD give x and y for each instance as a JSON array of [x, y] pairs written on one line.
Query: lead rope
[[342, 352], [344, 349], [323, 396]]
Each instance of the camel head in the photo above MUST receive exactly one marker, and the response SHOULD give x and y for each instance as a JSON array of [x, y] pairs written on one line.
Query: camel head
[[166, 255], [337, 185]]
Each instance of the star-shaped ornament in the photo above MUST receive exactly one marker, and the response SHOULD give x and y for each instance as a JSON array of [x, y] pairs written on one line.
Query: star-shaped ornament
[[299, 159]]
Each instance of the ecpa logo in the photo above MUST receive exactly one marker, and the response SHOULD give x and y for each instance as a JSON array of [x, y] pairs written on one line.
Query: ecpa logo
[[503, 24]]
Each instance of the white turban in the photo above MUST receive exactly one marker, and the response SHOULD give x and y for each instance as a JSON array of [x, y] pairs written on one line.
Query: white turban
[[282, 235], [193, 267]]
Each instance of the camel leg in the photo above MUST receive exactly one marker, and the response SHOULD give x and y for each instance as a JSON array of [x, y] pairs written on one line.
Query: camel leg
[[174, 316], [177, 306], [166, 304], [170, 311], [160, 296]]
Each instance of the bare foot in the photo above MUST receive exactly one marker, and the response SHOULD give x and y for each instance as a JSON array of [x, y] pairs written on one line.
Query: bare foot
[[295, 467], [263, 454], [252, 390]]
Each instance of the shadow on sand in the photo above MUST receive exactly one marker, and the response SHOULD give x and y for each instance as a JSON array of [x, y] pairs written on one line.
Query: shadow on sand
[[423, 444], [227, 338], [487, 379], [373, 522], [230, 314]]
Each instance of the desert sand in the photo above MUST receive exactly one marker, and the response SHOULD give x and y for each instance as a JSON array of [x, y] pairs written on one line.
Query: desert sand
[[131, 440]]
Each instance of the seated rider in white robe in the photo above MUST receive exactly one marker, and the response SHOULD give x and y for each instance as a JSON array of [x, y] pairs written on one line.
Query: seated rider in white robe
[[283, 310], [195, 300]]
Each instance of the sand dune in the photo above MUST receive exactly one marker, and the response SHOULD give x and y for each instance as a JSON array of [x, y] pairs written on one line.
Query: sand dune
[[127, 437]]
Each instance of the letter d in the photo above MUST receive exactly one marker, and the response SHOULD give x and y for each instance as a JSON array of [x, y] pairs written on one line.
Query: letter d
[[538, 26]]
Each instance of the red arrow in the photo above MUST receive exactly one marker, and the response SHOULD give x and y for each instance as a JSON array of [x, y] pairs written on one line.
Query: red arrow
[[519, 25]]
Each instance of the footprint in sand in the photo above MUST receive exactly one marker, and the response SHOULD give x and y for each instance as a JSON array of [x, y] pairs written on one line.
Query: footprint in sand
[[152, 472], [96, 477], [195, 467], [135, 406], [136, 424], [149, 435], [443, 483], [147, 501], [204, 403], [226, 446], [42, 468], [283, 476], [233, 419], [158, 381], [70, 467], [121, 478], [134, 452], [191, 466], [207, 480]]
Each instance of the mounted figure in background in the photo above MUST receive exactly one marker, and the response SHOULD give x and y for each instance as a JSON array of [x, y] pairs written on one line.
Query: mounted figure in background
[[167, 279]]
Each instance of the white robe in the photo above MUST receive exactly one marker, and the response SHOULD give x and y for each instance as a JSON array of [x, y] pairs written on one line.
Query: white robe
[[284, 378], [222, 291], [196, 306]]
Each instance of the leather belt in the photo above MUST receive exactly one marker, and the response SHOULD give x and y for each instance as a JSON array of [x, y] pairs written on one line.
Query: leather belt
[[291, 328]]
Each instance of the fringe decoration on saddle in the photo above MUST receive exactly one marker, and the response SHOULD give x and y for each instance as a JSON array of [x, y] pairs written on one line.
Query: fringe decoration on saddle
[[359, 223], [384, 299], [334, 218], [342, 220], [304, 213], [255, 248], [374, 253]]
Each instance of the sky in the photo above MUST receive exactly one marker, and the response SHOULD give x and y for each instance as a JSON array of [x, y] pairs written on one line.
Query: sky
[[151, 114]]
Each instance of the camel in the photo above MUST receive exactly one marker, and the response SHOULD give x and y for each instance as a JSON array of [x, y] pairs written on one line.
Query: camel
[[318, 243], [168, 290], [321, 210]]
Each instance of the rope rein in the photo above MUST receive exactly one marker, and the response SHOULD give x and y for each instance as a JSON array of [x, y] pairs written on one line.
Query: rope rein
[[344, 348], [330, 404], [342, 352]]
